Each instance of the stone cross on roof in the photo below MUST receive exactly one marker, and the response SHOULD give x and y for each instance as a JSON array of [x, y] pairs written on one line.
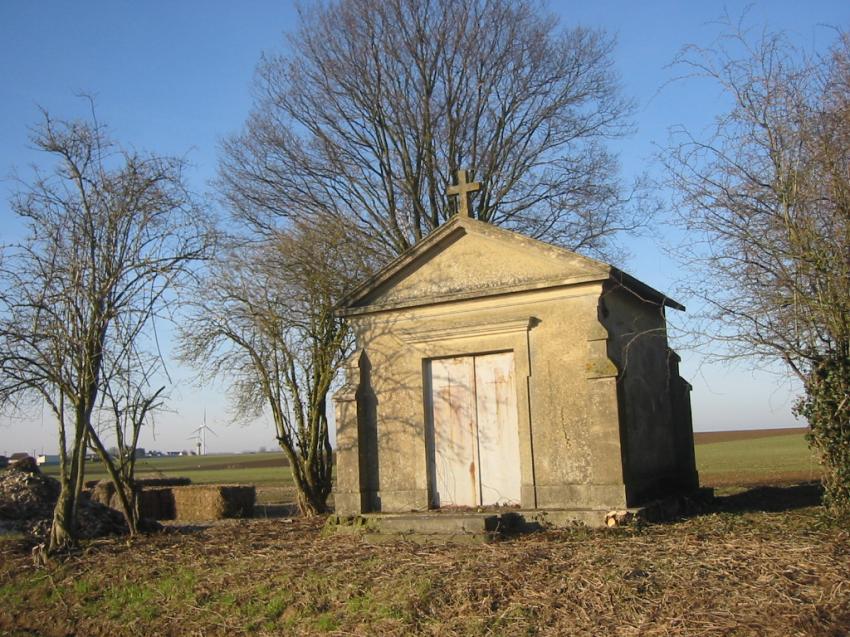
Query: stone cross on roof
[[462, 189]]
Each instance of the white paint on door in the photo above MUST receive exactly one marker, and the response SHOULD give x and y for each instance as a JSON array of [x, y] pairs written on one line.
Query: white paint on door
[[498, 440], [476, 442], [456, 450]]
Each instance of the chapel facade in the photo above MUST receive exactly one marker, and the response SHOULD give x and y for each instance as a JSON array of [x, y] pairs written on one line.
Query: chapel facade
[[496, 370]]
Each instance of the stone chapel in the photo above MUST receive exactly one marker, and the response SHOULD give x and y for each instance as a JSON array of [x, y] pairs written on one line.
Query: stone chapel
[[497, 370]]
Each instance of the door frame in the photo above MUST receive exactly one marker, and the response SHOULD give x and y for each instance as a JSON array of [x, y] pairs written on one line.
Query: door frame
[[480, 339], [482, 476]]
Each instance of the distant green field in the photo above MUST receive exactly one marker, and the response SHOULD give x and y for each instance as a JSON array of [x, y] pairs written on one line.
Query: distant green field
[[254, 468], [774, 458]]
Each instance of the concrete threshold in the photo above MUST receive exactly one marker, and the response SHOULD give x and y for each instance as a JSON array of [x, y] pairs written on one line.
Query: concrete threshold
[[471, 526]]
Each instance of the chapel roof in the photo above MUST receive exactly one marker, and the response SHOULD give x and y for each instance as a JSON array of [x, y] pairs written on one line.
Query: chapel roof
[[512, 262]]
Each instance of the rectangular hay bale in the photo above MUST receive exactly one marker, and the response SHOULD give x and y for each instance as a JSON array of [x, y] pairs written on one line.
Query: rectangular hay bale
[[152, 502], [213, 502], [156, 504]]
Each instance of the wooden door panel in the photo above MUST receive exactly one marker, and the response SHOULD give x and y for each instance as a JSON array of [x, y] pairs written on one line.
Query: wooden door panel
[[498, 438], [455, 448]]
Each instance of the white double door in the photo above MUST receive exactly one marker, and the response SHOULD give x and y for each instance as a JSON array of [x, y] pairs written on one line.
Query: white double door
[[475, 438]]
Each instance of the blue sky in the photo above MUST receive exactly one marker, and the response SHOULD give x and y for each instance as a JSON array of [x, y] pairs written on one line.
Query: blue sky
[[175, 77]]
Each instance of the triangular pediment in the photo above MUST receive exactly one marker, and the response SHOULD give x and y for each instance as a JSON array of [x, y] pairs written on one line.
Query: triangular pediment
[[469, 259]]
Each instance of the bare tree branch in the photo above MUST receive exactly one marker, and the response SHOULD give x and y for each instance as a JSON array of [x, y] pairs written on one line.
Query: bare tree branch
[[381, 101], [766, 201], [264, 319], [111, 234]]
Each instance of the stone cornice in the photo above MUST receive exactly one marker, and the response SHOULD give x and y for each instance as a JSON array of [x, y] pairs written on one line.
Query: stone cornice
[[470, 295], [469, 331]]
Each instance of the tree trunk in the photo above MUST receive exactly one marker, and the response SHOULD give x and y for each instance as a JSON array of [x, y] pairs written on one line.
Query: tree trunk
[[78, 468], [63, 529], [62, 534], [312, 503], [128, 502], [312, 496], [127, 497]]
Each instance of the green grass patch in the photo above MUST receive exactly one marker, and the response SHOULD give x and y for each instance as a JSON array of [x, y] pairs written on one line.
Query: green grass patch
[[134, 600], [227, 476], [265, 605], [367, 605], [760, 569], [769, 458], [17, 592], [146, 598], [326, 622]]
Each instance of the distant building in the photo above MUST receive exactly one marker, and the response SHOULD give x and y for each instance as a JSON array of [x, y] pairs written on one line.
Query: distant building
[[47, 459]]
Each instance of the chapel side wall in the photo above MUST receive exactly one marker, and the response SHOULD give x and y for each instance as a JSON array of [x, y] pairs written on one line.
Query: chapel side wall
[[657, 436], [575, 420]]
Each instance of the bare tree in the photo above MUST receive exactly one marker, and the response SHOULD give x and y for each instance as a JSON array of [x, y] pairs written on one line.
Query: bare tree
[[766, 199], [359, 128], [126, 404], [379, 102], [264, 319], [110, 233]]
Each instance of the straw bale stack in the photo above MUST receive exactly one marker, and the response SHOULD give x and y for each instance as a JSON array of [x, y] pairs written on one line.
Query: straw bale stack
[[213, 502]]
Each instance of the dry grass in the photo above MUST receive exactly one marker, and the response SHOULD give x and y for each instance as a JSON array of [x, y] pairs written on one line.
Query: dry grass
[[758, 563]]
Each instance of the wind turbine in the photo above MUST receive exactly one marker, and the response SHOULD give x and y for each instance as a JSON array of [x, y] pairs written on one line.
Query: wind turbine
[[201, 435]]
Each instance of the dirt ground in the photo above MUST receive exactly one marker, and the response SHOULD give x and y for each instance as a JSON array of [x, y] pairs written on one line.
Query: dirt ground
[[756, 562]]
